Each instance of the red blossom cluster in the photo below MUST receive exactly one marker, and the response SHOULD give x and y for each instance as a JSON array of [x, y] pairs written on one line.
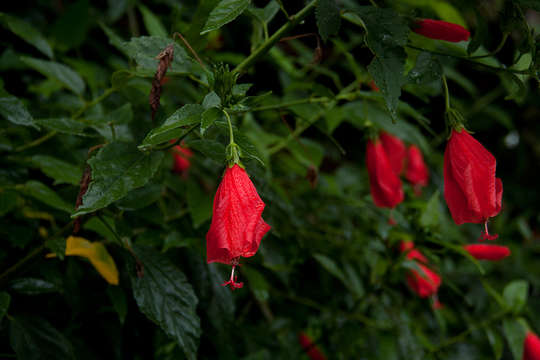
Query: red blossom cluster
[[425, 283]]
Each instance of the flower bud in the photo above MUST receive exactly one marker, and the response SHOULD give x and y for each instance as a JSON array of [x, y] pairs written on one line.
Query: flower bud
[[441, 30]]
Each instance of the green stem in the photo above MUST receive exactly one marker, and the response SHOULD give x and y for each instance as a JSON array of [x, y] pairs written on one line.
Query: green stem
[[499, 48], [36, 142], [231, 132], [265, 46], [168, 146], [97, 100], [446, 94]]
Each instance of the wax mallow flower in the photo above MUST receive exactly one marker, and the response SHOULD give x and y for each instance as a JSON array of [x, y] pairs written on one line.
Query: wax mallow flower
[[531, 347], [311, 349], [417, 172], [471, 190], [395, 151], [425, 283], [181, 156], [237, 226], [441, 30], [384, 183], [487, 252]]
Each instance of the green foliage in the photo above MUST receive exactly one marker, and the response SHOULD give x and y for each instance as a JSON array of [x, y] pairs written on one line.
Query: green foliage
[[328, 18], [224, 12]]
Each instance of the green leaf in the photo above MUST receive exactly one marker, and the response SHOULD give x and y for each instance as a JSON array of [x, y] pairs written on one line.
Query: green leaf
[[430, 215], [57, 71], [515, 295], [57, 246], [15, 111], [140, 198], [117, 169], [5, 300], [34, 338], [43, 193], [33, 286], [211, 100], [64, 125], [118, 299], [388, 75], [257, 283], [164, 295], [266, 14], [28, 33], [496, 342], [61, 171], [209, 116], [8, 201], [199, 204], [209, 148], [330, 266], [225, 12], [328, 18], [427, 69], [515, 332], [172, 128], [152, 23]]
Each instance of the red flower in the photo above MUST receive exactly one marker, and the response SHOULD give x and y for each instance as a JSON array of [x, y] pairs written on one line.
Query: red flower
[[311, 349], [423, 284], [441, 30], [395, 151], [417, 172], [237, 226], [531, 347], [181, 157], [472, 192], [384, 182], [487, 252]]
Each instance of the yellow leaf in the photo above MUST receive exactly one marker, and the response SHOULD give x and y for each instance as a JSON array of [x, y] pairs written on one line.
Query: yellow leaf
[[97, 254]]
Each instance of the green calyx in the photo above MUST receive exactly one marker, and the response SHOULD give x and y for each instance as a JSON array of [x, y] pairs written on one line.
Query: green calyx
[[233, 154]]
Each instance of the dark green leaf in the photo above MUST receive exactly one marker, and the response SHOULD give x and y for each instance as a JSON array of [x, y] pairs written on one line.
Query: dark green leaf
[[209, 116], [57, 71], [140, 198], [44, 194], [118, 298], [430, 215], [57, 246], [64, 125], [266, 14], [515, 332], [15, 111], [165, 297], [209, 148], [328, 18], [172, 128], [496, 342], [59, 170], [33, 286], [211, 100], [199, 204], [28, 33], [515, 295], [387, 72], [257, 283], [225, 12], [5, 300], [152, 23], [480, 34], [8, 201], [427, 69], [117, 169], [330, 266], [72, 25], [34, 338]]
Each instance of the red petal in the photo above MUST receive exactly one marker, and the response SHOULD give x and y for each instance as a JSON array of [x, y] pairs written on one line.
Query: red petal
[[385, 185], [441, 30], [487, 252], [417, 172], [531, 347], [395, 151], [237, 226], [425, 284]]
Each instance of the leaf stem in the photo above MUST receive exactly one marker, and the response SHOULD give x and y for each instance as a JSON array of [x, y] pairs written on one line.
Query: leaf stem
[[497, 49], [231, 132], [446, 94], [36, 142], [265, 46]]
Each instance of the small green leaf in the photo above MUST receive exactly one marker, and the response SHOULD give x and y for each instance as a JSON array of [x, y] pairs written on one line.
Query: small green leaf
[[515, 295], [430, 215], [117, 169], [328, 18], [165, 296], [211, 100], [266, 14], [515, 333], [152, 23], [199, 204], [60, 170], [34, 338], [209, 116], [496, 342], [5, 300], [427, 69], [330, 266], [15, 111], [57, 71], [28, 33], [43, 193], [33, 286], [225, 12], [189, 114]]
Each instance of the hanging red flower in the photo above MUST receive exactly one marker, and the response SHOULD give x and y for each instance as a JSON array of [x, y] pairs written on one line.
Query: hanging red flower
[[417, 172], [237, 225], [311, 349], [487, 252], [441, 30], [471, 190], [181, 157], [395, 151], [384, 183], [424, 284], [531, 347]]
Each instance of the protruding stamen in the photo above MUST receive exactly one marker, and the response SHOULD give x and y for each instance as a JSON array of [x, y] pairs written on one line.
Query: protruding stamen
[[233, 280], [486, 235]]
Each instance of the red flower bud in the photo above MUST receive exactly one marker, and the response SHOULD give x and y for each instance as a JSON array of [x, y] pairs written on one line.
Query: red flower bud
[[417, 172], [181, 157], [471, 190], [311, 349], [441, 30], [487, 252], [423, 284], [395, 151], [384, 182], [531, 347], [237, 225]]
